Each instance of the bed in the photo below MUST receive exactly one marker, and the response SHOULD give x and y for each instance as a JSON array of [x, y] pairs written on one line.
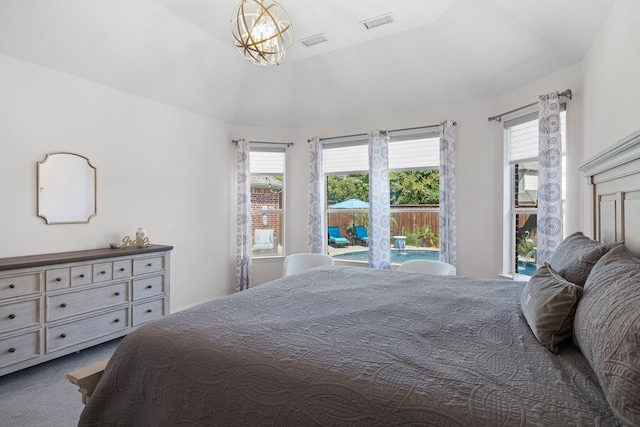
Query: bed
[[341, 346]]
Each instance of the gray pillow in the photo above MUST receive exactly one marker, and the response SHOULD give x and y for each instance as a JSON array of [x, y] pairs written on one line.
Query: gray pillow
[[549, 304], [607, 330], [576, 255]]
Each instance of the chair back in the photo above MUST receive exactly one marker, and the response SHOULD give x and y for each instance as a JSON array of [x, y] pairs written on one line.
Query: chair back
[[334, 231], [295, 263], [428, 266], [361, 231]]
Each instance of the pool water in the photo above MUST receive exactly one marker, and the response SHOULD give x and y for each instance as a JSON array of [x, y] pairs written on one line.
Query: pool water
[[396, 255], [526, 268]]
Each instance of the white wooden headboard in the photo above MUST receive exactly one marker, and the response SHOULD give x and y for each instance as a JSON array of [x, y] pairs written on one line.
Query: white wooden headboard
[[615, 179]]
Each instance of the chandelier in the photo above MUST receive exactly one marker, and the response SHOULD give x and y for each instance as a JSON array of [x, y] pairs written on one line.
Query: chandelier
[[261, 31]]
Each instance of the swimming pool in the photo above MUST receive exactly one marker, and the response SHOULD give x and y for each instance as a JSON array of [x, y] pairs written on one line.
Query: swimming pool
[[526, 268], [396, 255]]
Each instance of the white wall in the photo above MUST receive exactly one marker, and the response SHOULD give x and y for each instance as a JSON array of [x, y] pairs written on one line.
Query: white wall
[[158, 167], [171, 171]]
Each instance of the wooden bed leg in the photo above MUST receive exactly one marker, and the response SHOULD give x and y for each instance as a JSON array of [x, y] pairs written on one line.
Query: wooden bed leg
[[87, 378]]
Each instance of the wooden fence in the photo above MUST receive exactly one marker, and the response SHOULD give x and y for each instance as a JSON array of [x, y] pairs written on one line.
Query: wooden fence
[[402, 223]]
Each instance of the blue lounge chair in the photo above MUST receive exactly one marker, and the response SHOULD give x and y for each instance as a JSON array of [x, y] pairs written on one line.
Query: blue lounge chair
[[361, 235], [335, 239]]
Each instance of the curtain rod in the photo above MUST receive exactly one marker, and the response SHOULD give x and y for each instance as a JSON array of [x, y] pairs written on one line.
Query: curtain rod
[[393, 130], [567, 94], [288, 144]]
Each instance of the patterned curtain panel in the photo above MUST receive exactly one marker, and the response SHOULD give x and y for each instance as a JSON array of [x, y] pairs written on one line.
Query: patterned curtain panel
[[448, 192], [243, 217], [379, 210], [549, 228], [317, 235]]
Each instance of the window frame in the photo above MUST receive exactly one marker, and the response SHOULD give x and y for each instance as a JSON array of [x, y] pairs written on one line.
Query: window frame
[[416, 134], [279, 249], [511, 212]]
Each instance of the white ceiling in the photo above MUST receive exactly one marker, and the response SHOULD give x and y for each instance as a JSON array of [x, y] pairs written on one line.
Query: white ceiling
[[180, 52]]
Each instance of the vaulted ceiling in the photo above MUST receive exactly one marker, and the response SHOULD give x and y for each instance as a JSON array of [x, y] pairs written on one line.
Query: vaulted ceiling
[[180, 52]]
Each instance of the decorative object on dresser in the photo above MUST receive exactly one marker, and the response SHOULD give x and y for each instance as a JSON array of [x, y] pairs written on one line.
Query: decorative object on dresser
[[58, 303]]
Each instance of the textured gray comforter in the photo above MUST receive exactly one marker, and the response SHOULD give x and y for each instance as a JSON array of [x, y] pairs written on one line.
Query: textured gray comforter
[[340, 346]]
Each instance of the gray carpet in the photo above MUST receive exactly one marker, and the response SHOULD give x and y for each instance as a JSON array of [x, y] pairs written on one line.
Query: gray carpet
[[41, 396]]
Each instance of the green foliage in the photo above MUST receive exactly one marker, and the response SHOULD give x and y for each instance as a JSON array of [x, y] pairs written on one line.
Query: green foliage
[[527, 245], [406, 188], [415, 187], [413, 239], [427, 236], [345, 187]]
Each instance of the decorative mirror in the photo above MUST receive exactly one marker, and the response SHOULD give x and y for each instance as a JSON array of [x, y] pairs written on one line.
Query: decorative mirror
[[66, 189]]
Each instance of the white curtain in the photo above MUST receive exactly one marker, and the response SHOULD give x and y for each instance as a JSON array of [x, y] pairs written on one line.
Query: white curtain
[[448, 192], [379, 210], [317, 233], [549, 228], [243, 217]]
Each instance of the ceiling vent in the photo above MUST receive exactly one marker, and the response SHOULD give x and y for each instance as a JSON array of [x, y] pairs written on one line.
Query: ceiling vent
[[378, 21], [317, 39]]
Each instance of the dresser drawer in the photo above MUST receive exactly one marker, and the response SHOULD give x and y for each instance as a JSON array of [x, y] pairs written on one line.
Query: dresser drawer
[[19, 285], [20, 348], [147, 311], [85, 301], [19, 315], [148, 287], [58, 278], [121, 269], [81, 275], [148, 265], [102, 272], [72, 333]]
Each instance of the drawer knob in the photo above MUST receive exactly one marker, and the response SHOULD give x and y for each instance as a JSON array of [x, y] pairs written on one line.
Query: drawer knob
[[149, 310], [103, 272], [12, 350], [149, 286], [63, 305], [117, 320], [12, 316], [117, 294], [63, 335], [58, 279], [82, 275], [122, 269], [12, 286], [149, 265]]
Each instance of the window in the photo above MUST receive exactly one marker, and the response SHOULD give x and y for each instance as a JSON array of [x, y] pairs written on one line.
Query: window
[[267, 167], [521, 138], [414, 159]]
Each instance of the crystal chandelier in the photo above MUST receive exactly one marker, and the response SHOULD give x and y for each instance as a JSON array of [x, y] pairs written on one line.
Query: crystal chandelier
[[261, 31]]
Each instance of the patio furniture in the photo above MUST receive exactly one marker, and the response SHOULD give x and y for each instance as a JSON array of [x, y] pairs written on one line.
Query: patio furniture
[[428, 266], [361, 235], [296, 263], [263, 239], [335, 238]]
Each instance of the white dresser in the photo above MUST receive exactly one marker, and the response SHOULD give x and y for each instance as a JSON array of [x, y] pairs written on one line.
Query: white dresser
[[59, 303]]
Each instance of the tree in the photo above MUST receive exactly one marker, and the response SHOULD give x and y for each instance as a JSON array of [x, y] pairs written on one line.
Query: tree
[[345, 187], [415, 187]]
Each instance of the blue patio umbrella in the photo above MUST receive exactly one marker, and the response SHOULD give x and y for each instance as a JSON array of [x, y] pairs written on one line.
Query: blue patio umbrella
[[351, 204]]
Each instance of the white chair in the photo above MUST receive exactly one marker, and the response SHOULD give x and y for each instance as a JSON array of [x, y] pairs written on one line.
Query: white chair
[[428, 266], [295, 263]]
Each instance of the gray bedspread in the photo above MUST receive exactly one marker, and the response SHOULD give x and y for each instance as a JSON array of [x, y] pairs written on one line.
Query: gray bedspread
[[340, 346]]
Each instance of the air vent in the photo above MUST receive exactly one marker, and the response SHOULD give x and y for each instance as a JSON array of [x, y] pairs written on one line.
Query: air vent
[[378, 21], [317, 39]]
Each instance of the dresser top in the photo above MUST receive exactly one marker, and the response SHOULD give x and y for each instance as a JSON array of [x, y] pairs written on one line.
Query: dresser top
[[27, 261]]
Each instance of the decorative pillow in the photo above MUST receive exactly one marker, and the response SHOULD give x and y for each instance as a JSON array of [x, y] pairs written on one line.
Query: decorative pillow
[[607, 330], [549, 303], [576, 255]]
